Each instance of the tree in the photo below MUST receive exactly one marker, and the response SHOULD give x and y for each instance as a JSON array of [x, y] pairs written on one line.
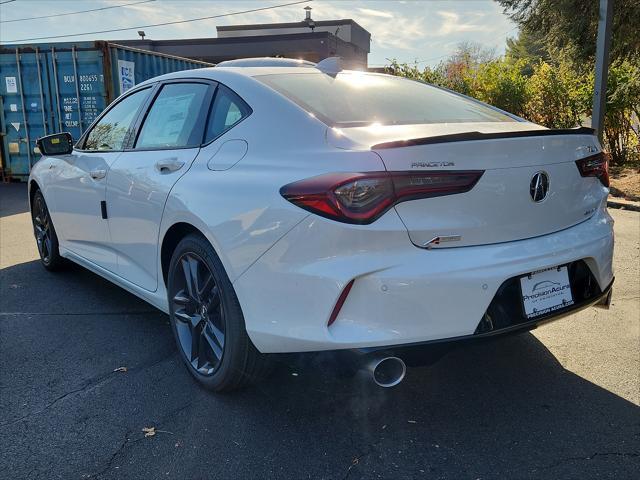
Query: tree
[[472, 54], [528, 48], [456, 72], [462, 66], [572, 25]]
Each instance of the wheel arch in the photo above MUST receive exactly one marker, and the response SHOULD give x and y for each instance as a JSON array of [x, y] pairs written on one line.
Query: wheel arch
[[172, 237], [33, 188]]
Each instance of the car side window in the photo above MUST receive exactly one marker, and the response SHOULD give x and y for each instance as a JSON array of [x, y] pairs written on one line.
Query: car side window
[[176, 118], [227, 110], [111, 130]]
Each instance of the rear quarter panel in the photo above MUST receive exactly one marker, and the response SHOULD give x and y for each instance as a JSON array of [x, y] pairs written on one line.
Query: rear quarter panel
[[240, 209]]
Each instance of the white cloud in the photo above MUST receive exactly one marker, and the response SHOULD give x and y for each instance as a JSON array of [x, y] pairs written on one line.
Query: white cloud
[[452, 23], [389, 30], [375, 13]]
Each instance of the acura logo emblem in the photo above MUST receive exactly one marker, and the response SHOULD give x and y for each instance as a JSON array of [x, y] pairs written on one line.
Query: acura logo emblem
[[539, 187]]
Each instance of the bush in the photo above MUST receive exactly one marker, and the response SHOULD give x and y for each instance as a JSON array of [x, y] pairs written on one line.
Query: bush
[[621, 128], [433, 76], [555, 94], [501, 83]]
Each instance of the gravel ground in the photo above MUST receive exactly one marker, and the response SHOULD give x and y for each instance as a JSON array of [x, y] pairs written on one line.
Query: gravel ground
[[625, 183], [561, 402]]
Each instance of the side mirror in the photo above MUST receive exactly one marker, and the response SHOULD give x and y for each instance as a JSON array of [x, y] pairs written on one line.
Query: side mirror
[[56, 144]]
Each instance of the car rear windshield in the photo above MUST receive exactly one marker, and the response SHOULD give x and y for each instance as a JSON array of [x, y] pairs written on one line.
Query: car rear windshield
[[353, 99]]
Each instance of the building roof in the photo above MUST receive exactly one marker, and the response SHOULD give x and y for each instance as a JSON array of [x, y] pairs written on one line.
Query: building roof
[[313, 46], [328, 38], [258, 26]]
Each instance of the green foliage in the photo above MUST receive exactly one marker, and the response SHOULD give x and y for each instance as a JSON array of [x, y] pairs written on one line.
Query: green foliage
[[552, 93], [434, 76], [502, 84], [621, 128], [572, 25], [556, 96], [528, 48]]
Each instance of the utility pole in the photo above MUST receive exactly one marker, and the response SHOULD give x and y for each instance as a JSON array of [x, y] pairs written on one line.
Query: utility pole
[[602, 66]]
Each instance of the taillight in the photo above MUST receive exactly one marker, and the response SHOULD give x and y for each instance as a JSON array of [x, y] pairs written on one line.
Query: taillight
[[595, 166], [362, 198]]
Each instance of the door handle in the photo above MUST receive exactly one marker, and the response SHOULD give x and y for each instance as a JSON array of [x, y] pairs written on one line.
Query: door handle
[[169, 165], [98, 174]]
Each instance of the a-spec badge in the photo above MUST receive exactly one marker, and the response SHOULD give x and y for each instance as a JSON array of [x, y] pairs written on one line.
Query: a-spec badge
[[442, 239], [432, 164]]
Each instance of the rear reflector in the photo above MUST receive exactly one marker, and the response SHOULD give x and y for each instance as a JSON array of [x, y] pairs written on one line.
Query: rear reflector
[[362, 198], [595, 166], [341, 299]]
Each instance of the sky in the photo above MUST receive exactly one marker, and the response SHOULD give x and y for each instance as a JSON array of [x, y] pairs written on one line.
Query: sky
[[425, 31]]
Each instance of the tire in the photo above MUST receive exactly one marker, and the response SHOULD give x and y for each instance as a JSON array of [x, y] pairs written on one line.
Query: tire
[[207, 320], [45, 233]]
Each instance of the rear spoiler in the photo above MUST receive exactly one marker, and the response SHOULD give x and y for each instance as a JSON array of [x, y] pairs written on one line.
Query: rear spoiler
[[469, 136]]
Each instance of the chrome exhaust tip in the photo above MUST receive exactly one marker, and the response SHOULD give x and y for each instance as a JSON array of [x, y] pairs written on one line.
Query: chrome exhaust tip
[[387, 371]]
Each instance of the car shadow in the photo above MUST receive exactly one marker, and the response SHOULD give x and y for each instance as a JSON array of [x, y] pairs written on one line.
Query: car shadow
[[503, 409], [30, 288], [13, 199]]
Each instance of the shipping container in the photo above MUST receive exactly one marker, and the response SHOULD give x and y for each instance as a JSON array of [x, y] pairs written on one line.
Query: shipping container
[[55, 87]]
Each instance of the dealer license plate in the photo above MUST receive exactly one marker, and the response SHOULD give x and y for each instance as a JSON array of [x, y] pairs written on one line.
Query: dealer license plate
[[546, 291]]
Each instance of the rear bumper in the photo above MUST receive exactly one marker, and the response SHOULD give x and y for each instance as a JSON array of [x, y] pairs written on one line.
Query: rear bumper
[[401, 295], [425, 352]]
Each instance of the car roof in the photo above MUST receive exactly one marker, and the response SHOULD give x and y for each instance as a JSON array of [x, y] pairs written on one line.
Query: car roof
[[214, 73]]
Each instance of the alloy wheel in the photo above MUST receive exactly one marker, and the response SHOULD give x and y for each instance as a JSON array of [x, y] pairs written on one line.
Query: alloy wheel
[[198, 313], [42, 227]]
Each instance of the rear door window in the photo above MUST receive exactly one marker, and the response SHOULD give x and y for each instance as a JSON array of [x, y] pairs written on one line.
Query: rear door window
[[227, 110], [176, 117]]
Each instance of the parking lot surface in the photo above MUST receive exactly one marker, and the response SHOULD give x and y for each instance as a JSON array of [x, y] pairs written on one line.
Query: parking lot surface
[[560, 402]]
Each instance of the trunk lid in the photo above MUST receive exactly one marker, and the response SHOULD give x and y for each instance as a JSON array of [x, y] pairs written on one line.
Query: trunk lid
[[500, 207]]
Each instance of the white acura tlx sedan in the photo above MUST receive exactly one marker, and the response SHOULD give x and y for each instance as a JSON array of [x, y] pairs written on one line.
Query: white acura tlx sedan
[[271, 209]]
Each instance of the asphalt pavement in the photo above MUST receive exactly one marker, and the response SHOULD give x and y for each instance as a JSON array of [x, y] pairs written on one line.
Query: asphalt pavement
[[560, 402]]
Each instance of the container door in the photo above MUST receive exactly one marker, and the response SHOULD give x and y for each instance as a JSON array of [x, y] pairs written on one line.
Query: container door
[[131, 66], [78, 88], [25, 108], [140, 180]]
